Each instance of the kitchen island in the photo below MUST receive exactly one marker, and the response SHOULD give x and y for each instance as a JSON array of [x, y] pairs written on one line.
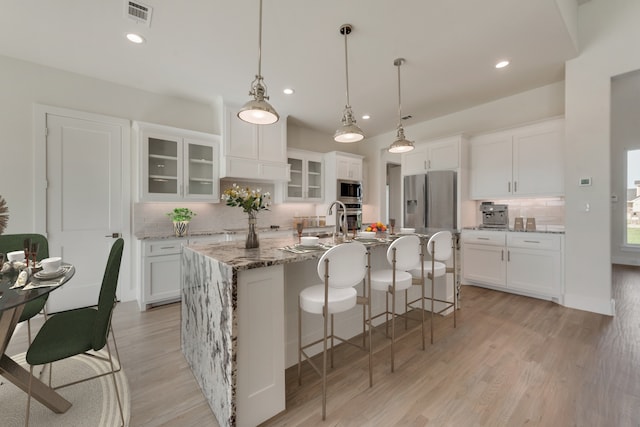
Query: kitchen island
[[237, 306], [239, 321]]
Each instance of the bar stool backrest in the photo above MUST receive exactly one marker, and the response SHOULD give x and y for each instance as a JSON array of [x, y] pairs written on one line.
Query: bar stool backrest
[[407, 252], [347, 264], [442, 241]]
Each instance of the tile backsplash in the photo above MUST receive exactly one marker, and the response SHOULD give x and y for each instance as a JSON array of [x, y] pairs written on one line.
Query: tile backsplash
[[547, 211], [150, 217]]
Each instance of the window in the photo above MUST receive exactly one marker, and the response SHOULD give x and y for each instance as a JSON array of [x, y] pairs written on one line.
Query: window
[[633, 198]]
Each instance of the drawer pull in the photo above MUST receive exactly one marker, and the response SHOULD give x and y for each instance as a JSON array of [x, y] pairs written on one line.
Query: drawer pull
[[483, 238], [532, 241], [168, 247]]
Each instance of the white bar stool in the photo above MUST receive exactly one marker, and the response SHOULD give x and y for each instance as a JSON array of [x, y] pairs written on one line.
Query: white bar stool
[[403, 254], [440, 249], [341, 268]]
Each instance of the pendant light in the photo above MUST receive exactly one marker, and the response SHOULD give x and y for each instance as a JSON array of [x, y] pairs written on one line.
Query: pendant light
[[401, 144], [349, 131], [257, 110]]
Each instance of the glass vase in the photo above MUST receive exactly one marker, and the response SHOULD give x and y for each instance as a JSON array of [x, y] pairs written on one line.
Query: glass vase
[[252, 237]]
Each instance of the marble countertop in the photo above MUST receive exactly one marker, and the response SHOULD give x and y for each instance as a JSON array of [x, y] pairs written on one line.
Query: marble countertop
[[269, 253], [168, 234], [551, 229]]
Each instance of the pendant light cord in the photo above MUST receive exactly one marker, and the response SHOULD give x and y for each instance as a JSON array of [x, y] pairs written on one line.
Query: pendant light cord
[[398, 62], [260, 43], [347, 30]]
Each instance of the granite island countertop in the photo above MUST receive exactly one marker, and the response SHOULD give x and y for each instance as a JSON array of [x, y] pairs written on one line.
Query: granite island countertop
[[269, 253]]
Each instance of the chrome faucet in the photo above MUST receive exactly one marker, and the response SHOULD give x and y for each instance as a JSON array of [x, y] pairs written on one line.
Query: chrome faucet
[[339, 219]]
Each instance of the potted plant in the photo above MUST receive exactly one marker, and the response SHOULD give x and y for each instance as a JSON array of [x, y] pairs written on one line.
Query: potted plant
[[181, 218]]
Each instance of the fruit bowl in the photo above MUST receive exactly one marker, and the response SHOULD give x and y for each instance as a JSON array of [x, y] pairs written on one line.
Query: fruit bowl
[[367, 234], [376, 226]]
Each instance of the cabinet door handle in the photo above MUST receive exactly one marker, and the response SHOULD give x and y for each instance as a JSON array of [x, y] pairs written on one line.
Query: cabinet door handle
[[429, 163], [509, 187], [502, 255], [425, 164], [515, 186], [508, 256]]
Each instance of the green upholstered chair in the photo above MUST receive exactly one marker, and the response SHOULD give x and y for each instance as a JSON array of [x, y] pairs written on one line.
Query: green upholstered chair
[[80, 331], [14, 242]]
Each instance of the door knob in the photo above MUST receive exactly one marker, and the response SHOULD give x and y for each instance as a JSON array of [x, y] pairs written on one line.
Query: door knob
[[113, 235]]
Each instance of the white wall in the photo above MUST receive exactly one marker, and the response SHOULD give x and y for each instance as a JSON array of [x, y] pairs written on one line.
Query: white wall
[[609, 32], [530, 106], [22, 84], [625, 135]]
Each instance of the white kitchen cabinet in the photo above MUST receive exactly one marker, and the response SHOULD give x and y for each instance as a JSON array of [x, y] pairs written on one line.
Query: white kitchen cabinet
[[429, 156], [522, 162], [483, 257], [161, 271], [177, 164], [535, 262], [307, 179], [528, 263], [254, 151], [343, 166], [161, 267]]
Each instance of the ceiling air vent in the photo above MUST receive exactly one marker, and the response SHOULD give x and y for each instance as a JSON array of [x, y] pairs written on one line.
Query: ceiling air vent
[[139, 12]]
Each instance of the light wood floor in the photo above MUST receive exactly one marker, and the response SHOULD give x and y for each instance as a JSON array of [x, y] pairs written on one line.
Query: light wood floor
[[512, 361]]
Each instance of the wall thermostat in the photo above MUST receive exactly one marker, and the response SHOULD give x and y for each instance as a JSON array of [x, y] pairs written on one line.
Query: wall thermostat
[[585, 182]]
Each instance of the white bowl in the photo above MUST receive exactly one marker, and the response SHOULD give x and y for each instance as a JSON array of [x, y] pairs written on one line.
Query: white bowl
[[50, 265], [309, 241], [15, 256], [407, 230], [367, 234]]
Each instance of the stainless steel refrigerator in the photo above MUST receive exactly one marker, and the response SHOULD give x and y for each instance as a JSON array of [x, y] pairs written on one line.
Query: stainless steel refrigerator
[[430, 200]]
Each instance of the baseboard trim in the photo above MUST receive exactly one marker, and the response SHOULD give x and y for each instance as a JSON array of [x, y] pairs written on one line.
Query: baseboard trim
[[595, 305]]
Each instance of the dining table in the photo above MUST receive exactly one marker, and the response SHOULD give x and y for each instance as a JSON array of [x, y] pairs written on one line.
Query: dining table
[[12, 302]]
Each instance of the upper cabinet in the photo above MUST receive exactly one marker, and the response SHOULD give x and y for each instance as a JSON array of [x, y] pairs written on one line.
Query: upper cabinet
[[306, 169], [177, 164], [522, 162], [254, 151], [343, 166], [430, 156]]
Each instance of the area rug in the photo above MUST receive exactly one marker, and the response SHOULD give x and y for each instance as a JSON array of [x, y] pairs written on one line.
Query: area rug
[[93, 403]]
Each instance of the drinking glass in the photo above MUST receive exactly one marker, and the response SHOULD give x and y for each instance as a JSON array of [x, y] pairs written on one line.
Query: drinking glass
[[299, 228]]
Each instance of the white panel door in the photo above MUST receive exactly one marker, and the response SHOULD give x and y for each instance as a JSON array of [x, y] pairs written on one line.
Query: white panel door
[[84, 205]]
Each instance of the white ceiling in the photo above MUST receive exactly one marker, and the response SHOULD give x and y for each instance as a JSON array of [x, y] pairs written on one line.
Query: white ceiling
[[207, 49]]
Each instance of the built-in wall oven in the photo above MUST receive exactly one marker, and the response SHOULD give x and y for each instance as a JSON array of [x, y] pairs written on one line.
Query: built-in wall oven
[[350, 193]]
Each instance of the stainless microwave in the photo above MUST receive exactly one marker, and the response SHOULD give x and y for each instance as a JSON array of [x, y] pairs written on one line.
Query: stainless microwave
[[349, 191]]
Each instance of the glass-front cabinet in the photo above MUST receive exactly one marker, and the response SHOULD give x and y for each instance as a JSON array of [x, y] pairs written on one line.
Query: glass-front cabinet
[[306, 168], [177, 164]]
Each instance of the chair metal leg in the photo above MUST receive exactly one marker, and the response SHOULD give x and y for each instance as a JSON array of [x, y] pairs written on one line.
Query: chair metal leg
[[299, 343], [332, 343], [26, 419], [325, 316], [115, 383]]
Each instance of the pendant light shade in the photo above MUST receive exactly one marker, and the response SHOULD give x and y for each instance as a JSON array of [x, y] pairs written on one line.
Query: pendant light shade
[[349, 131], [401, 144], [258, 110]]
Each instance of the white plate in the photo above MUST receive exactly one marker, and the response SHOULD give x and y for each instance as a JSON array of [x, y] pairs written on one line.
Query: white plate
[[309, 246], [52, 275]]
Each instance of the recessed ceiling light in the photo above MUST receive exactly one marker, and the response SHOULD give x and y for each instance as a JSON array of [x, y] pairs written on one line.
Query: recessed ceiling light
[[502, 64], [288, 91], [366, 117], [135, 38]]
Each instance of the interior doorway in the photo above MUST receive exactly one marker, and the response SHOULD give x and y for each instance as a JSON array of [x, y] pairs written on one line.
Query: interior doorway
[[393, 194]]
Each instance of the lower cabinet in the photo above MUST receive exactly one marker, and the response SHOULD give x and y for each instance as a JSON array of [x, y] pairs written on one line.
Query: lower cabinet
[[527, 263], [161, 271]]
